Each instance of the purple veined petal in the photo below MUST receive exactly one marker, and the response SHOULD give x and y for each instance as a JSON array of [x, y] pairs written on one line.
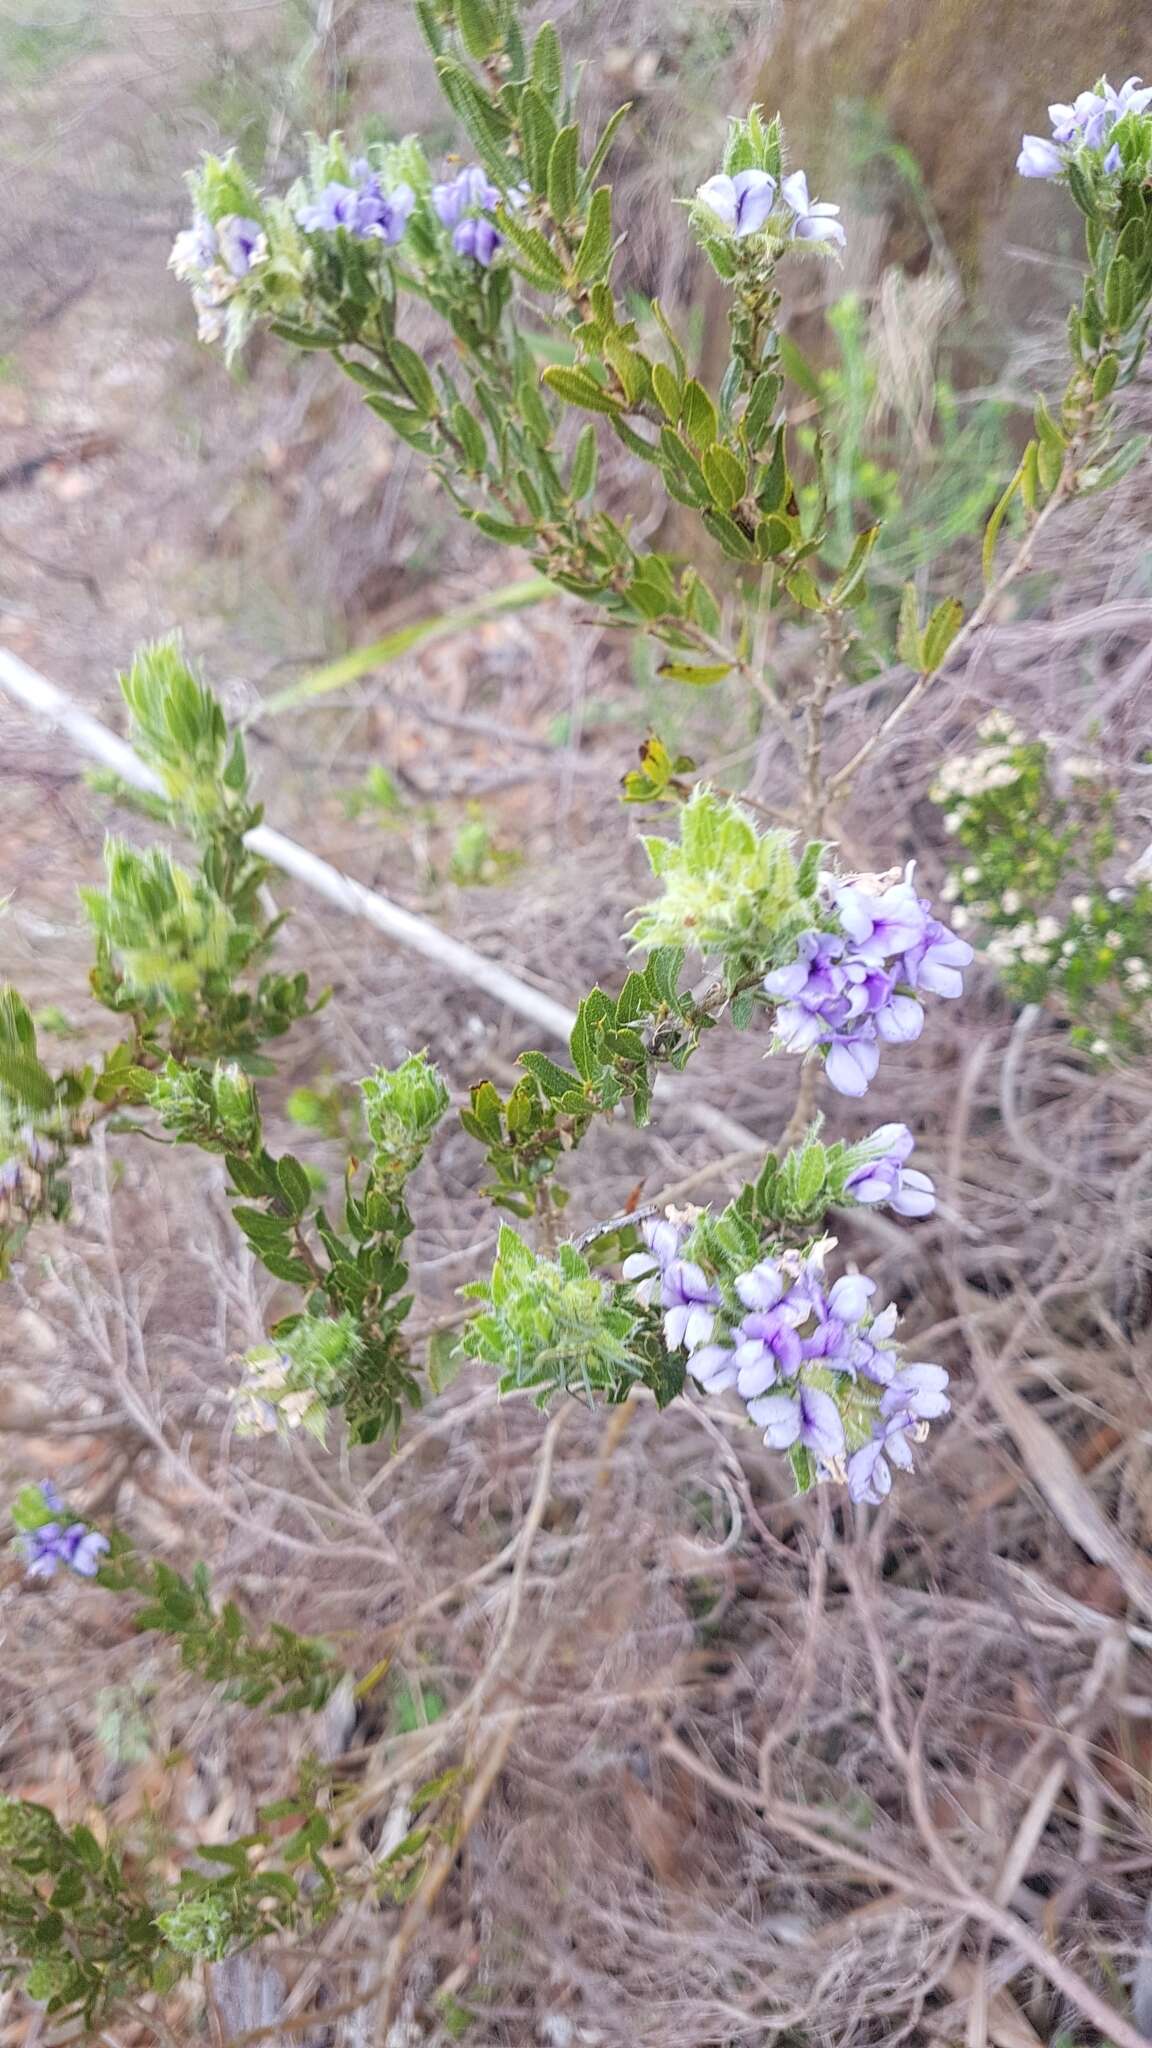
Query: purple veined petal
[[895, 1140], [755, 198], [721, 198], [786, 982], [88, 1553], [818, 227], [850, 1064], [243, 243], [901, 1020], [778, 1415], [897, 1447], [756, 1368], [663, 1238], [915, 1194], [869, 1480], [849, 1296], [698, 1327], [43, 1549], [762, 1287], [798, 1029], [675, 1325], [1113, 160], [477, 239], [794, 192], [1039, 158], [637, 1265], [51, 1498], [714, 1366], [334, 207], [821, 1424], [870, 1184]]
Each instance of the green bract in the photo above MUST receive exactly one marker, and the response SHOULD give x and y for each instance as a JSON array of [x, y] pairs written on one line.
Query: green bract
[[730, 891], [551, 1325]]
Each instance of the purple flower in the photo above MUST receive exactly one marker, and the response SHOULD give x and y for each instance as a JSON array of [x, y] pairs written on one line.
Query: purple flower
[[851, 1062], [1039, 158], [52, 1544], [884, 1177], [690, 1301], [477, 239], [714, 1366], [916, 1394], [870, 1479], [808, 1417], [880, 923], [762, 1287], [663, 1238], [195, 248], [241, 242], [470, 190], [936, 960], [741, 204], [363, 210], [815, 219], [768, 1348]]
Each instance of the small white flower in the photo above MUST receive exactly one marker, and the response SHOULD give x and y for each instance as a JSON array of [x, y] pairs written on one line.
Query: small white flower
[[1114, 940], [1048, 928], [1117, 895], [1100, 1047], [970, 875], [1010, 902], [1082, 906], [953, 822], [960, 918], [1069, 949], [950, 889]]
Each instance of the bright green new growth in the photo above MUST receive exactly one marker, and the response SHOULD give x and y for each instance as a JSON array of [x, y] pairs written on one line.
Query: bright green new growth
[[730, 891], [551, 1325], [403, 1105]]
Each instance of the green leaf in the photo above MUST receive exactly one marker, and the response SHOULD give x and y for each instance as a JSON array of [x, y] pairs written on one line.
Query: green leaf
[[908, 631], [941, 630], [555, 1080], [1120, 294], [548, 64], [1104, 381], [538, 133], [992, 530], [412, 375], [294, 1184], [775, 485], [477, 25], [539, 257], [563, 173], [852, 577], [577, 387], [728, 534], [761, 405], [599, 155], [595, 245], [667, 389], [470, 434], [699, 414], [28, 1083], [582, 478], [700, 674], [803, 587], [724, 476]]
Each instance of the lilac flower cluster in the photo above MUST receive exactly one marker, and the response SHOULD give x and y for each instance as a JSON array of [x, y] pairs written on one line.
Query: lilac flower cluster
[[215, 258], [462, 204], [860, 983], [885, 1178], [363, 209], [744, 205], [814, 1363], [72, 1544], [1085, 124]]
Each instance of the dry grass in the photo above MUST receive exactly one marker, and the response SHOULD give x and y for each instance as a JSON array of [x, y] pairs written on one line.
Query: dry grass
[[737, 1768]]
